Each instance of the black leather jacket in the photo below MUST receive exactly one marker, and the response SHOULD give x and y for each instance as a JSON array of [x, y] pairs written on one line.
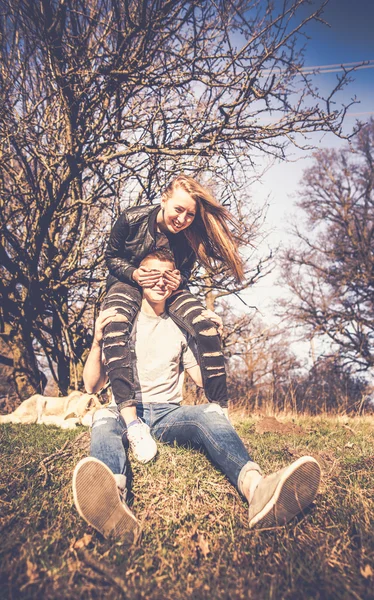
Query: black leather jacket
[[133, 237]]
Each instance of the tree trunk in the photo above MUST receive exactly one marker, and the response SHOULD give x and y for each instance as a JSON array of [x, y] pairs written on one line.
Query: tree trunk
[[210, 296], [62, 360], [78, 371], [26, 375]]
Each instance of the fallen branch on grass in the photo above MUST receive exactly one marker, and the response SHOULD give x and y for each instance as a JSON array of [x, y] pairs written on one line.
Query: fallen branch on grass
[[63, 452]]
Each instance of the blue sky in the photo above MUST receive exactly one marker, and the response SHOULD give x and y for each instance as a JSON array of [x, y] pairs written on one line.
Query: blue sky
[[349, 38]]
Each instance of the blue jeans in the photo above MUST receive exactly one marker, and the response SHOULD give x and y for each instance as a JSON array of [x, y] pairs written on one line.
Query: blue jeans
[[204, 427]]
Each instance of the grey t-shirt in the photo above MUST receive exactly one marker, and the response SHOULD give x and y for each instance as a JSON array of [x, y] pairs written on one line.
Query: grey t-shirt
[[163, 351]]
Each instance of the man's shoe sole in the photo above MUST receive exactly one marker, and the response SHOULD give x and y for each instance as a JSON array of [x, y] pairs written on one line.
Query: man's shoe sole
[[295, 491], [97, 500]]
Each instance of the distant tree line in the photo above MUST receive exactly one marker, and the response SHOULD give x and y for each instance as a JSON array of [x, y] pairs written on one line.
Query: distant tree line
[[324, 388], [266, 376], [330, 267]]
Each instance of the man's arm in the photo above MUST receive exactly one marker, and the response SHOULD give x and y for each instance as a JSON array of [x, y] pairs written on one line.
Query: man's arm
[[195, 373], [94, 375]]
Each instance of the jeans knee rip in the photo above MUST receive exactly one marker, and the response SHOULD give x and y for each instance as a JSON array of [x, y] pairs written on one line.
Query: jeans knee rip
[[113, 334], [100, 417], [209, 331], [190, 310], [186, 301], [115, 345], [120, 317], [214, 408], [198, 319], [116, 358]]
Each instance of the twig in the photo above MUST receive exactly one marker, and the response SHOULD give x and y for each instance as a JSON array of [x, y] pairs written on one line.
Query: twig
[[103, 569], [63, 452], [80, 436], [52, 456], [349, 428], [45, 471]]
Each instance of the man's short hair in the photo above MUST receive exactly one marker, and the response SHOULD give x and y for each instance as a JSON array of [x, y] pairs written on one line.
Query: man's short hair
[[162, 254]]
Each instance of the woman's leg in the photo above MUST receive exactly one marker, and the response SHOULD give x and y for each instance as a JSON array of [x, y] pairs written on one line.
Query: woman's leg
[[126, 299], [186, 310], [117, 348]]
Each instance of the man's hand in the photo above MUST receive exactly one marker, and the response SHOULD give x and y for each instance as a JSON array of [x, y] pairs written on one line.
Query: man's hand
[[104, 318], [146, 278], [216, 319], [172, 279]]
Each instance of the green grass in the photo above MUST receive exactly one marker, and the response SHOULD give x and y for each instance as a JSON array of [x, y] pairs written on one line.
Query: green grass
[[195, 541]]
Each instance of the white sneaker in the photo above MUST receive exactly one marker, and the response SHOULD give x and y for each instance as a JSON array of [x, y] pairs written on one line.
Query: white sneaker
[[142, 444], [99, 501], [281, 496]]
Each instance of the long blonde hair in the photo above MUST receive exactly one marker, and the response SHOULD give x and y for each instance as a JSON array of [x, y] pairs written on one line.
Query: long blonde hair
[[209, 234]]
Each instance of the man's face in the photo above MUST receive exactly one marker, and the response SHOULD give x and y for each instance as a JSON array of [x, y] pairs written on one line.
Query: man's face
[[159, 292]]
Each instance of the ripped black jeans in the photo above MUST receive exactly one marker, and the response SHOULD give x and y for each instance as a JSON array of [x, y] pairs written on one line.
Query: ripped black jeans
[[185, 310]]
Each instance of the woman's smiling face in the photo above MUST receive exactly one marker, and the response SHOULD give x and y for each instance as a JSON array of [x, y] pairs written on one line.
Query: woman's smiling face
[[178, 211]]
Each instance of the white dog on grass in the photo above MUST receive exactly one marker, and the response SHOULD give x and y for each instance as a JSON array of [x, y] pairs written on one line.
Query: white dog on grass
[[66, 412]]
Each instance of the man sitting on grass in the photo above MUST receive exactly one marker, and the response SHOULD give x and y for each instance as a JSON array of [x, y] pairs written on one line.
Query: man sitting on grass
[[163, 351]]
